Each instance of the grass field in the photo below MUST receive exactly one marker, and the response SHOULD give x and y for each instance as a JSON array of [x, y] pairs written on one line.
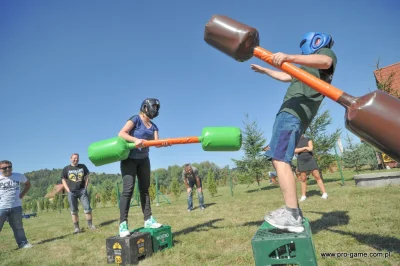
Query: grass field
[[351, 220]]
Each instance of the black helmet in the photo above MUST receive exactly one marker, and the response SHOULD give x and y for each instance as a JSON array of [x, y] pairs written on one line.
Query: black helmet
[[150, 107]]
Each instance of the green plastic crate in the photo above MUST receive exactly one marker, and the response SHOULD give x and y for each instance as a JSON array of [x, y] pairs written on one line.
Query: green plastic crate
[[161, 237], [274, 246]]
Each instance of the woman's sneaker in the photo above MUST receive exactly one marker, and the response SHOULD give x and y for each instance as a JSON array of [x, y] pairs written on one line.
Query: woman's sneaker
[[151, 223], [303, 198], [27, 245], [123, 230], [324, 196]]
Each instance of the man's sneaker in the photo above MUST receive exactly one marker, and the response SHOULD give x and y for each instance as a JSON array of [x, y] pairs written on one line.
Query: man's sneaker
[[77, 231], [286, 221], [123, 229], [279, 212], [189, 210], [27, 245], [91, 227], [151, 223], [303, 198], [324, 196], [202, 207]]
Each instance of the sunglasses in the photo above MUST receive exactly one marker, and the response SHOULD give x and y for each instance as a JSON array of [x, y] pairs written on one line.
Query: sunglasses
[[5, 168]]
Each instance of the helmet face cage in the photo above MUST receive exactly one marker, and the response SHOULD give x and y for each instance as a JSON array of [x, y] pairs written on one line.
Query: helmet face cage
[[150, 107], [308, 42]]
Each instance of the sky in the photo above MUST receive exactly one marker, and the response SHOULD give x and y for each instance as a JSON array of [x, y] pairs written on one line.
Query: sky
[[73, 72]]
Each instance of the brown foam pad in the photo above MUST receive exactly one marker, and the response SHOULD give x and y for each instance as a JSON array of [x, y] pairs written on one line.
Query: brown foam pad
[[231, 37]]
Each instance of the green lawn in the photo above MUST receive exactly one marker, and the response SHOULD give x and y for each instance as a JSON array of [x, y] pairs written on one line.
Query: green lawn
[[351, 220]]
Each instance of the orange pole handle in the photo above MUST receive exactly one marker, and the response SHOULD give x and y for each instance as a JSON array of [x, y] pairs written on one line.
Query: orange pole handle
[[317, 84], [171, 141]]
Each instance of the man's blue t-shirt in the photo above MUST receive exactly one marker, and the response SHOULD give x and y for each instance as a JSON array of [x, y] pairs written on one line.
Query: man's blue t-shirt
[[140, 131]]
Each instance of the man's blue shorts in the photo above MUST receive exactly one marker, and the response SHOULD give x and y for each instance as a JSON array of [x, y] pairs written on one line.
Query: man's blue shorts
[[286, 133]]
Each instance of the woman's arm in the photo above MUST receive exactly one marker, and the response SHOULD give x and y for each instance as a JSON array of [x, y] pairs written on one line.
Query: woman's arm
[[300, 150], [124, 132], [310, 146]]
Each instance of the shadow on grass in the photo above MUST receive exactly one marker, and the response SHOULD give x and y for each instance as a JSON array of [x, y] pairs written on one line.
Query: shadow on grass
[[107, 222], [64, 236], [269, 187], [254, 223], [209, 204], [52, 239], [206, 204], [312, 181], [329, 219], [314, 192], [198, 228], [378, 242]]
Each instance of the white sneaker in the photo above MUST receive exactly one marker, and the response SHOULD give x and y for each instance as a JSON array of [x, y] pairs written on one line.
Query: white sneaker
[[27, 245], [303, 198], [152, 223], [324, 196], [123, 229], [277, 212]]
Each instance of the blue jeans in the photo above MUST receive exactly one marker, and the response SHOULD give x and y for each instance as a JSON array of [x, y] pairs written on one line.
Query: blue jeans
[[83, 196], [286, 133], [190, 195], [14, 216]]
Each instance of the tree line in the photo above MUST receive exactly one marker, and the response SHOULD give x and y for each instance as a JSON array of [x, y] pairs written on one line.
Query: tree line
[[252, 167]]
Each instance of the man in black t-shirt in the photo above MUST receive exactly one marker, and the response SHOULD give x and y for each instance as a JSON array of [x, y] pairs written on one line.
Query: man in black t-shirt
[[75, 179]]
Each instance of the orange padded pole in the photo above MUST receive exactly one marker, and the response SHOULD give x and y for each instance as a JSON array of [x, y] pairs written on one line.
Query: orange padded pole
[[319, 85]]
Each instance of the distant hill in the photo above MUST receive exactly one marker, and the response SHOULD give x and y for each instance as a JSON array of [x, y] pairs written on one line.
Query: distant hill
[[44, 180]]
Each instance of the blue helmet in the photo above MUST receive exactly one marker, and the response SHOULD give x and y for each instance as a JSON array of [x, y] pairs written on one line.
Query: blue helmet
[[308, 46]]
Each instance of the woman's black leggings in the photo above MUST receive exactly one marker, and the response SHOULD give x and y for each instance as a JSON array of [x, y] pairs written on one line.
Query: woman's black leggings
[[130, 168]]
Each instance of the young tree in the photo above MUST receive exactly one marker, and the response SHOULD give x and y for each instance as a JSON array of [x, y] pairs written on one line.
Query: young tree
[[54, 204], [103, 196], [136, 193], [47, 204], [60, 203], [368, 155], [24, 206], [93, 200], [66, 203], [351, 156], [254, 164], [90, 190], [163, 189], [113, 197], [358, 155], [211, 185], [107, 189], [34, 206], [323, 142], [175, 187], [152, 191], [41, 204]]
